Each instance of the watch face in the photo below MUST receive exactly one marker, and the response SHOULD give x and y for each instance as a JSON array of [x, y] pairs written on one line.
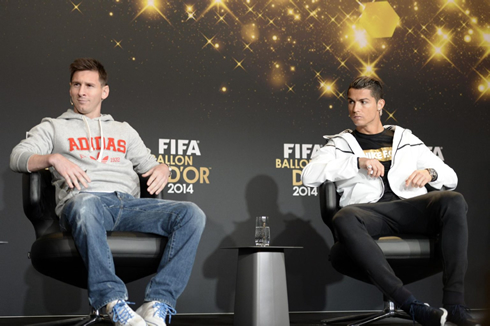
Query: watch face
[[433, 174]]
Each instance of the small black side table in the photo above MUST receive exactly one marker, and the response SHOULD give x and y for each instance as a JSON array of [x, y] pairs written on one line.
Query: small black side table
[[261, 295]]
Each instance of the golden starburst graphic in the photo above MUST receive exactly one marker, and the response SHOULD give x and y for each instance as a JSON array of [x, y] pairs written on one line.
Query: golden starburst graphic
[[328, 88], [117, 43], [151, 5], [191, 13], [209, 41], [391, 115], [76, 7], [368, 68], [483, 85], [239, 64], [485, 43], [290, 88], [348, 38], [218, 5]]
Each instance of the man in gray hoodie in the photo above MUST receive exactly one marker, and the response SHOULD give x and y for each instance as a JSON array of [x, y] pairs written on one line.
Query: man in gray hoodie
[[95, 163]]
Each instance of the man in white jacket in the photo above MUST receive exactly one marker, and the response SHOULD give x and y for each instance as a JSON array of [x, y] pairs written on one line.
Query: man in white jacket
[[94, 161], [381, 173]]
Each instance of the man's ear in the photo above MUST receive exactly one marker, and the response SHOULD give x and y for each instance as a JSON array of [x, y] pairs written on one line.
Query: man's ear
[[105, 92], [381, 104]]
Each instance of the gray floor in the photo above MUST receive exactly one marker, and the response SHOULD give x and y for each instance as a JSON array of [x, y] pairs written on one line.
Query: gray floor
[[296, 319]]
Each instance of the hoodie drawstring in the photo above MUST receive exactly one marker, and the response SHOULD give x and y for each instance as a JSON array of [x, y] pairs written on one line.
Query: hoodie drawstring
[[90, 138], [101, 153]]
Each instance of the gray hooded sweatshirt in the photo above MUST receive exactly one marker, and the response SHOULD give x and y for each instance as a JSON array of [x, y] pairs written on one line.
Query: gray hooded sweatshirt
[[111, 153]]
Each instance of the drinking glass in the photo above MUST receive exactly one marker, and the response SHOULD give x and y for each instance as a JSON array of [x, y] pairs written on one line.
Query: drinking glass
[[262, 231]]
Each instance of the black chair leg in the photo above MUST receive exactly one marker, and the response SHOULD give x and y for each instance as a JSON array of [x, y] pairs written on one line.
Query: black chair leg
[[94, 317], [389, 311], [346, 318]]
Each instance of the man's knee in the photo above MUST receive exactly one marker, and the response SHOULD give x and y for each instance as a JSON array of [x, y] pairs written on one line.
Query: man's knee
[[458, 200], [453, 201], [453, 208], [194, 215]]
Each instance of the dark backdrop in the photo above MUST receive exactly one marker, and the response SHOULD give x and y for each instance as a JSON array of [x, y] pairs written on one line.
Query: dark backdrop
[[249, 87]]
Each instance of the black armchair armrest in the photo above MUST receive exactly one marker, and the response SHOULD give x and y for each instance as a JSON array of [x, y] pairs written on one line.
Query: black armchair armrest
[[329, 202]]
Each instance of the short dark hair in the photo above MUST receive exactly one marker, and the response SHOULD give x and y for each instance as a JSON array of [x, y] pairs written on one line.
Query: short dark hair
[[81, 64], [373, 84]]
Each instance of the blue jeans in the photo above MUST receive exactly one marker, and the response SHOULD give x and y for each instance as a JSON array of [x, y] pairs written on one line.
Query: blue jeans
[[89, 215]]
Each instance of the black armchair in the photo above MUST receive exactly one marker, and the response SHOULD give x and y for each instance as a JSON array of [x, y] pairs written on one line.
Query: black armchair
[[412, 259], [54, 254]]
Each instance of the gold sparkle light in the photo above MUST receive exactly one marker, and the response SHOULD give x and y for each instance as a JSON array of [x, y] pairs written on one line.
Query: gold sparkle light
[[483, 85], [271, 21], [151, 5], [391, 115], [219, 5], [328, 88], [290, 88], [118, 43], [221, 19], [76, 7], [250, 8], [239, 64], [451, 4], [209, 41], [368, 68], [485, 43], [438, 51], [247, 47], [342, 63], [191, 13]]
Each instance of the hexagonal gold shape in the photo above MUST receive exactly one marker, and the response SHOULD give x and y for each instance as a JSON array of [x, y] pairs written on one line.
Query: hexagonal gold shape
[[379, 19]]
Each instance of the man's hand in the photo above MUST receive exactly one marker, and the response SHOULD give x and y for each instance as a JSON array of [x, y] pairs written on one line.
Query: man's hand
[[418, 179], [373, 166], [73, 174], [158, 178]]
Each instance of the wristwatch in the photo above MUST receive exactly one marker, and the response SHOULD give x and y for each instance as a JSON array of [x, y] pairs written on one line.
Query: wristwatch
[[433, 174]]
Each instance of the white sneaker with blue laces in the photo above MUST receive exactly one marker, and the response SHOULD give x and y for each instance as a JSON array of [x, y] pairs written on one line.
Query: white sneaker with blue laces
[[155, 313], [122, 315]]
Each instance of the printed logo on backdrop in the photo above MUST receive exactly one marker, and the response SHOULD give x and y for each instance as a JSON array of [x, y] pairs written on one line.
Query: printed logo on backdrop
[[437, 150], [180, 154], [295, 158]]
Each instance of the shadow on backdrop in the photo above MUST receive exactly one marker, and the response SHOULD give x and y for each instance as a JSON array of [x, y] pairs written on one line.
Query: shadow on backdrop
[[308, 270]]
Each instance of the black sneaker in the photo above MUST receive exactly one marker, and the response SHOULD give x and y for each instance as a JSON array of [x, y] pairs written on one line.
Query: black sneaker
[[426, 315], [459, 315]]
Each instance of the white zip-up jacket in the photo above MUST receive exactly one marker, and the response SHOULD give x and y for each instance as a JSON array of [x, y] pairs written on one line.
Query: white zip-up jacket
[[337, 162]]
